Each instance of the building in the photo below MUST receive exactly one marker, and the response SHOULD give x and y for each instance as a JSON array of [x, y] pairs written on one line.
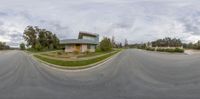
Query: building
[[85, 42]]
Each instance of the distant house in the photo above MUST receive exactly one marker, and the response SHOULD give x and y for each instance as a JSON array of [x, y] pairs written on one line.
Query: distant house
[[85, 42]]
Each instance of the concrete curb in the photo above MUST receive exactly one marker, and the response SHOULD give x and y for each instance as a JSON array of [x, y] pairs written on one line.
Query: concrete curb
[[77, 68]]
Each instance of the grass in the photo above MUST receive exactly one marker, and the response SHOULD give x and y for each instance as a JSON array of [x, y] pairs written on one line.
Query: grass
[[62, 54], [36, 51], [92, 54], [75, 63]]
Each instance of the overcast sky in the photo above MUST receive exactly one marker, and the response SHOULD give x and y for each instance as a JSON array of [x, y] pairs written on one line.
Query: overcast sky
[[136, 20]]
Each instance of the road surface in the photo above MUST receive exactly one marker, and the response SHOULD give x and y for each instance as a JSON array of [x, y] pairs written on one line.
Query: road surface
[[133, 74]]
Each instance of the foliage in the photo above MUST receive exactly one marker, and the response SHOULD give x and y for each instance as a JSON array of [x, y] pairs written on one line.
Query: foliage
[[22, 46], [30, 36], [178, 50], [118, 45], [150, 48], [167, 42], [38, 47], [40, 39], [192, 45], [3, 46], [98, 49], [76, 52], [59, 53], [105, 44], [126, 43], [139, 46]]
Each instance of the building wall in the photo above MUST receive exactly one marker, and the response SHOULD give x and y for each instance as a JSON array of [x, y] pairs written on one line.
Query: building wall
[[70, 48], [92, 48], [83, 48], [89, 38]]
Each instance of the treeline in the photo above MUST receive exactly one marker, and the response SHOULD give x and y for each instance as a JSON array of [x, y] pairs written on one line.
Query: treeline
[[107, 44], [166, 42], [192, 45], [3, 46], [40, 39]]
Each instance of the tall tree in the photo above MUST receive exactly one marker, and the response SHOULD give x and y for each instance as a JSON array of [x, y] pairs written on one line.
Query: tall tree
[[3, 46], [126, 43], [30, 36], [40, 38], [113, 42]]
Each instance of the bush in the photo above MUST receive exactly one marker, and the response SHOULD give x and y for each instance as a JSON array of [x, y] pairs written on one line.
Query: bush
[[105, 44], [87, 52], [150, 49], [22, 46], [98, 50], [179, 50], [76, 52], [161, 49], [171, 50], [38, 47], [59, 53]]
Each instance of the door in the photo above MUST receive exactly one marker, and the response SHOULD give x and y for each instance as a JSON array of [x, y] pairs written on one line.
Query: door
[[78, 47]]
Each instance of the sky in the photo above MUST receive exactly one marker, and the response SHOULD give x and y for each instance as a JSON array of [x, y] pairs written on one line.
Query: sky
[[135, 20]]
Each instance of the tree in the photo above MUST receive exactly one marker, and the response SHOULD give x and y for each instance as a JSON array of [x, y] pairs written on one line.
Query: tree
[[105, 44], [55, 41], [167, 42], [38, 46], [30, 36], [22, 46], [3, 46], [113, 42], [43, 38], [126, 43]]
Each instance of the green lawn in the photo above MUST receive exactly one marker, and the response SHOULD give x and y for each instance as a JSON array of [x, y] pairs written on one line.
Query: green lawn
[[75, 63]]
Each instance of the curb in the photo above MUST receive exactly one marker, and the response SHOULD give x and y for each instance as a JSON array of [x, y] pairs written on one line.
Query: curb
[[79, 67]]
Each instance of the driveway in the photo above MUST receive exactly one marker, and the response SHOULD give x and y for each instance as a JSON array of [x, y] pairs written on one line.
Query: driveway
[[133, 74]]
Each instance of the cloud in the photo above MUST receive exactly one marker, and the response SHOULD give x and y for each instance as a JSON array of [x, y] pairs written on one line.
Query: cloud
[[136, 20]]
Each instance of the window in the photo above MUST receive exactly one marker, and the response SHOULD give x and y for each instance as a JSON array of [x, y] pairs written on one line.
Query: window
[[88, 46]]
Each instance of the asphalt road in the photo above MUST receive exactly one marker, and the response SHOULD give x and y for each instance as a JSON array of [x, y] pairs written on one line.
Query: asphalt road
[[133, 74]]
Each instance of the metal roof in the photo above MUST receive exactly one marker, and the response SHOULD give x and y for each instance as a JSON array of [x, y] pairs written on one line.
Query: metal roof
[[78, 41]]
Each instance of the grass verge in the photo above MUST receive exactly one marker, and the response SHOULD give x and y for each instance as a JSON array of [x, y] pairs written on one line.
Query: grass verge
[[75, 63]]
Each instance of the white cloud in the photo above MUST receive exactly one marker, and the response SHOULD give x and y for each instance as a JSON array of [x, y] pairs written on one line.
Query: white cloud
[[136, 20]]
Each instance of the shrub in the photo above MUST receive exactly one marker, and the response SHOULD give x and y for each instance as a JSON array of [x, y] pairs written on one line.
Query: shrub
[[150, 49], [76, 52], [22, 46], [38, 47], [161, 50], [179, 50], [98, 50], [105, 44], [59, 53], [87, 52]]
